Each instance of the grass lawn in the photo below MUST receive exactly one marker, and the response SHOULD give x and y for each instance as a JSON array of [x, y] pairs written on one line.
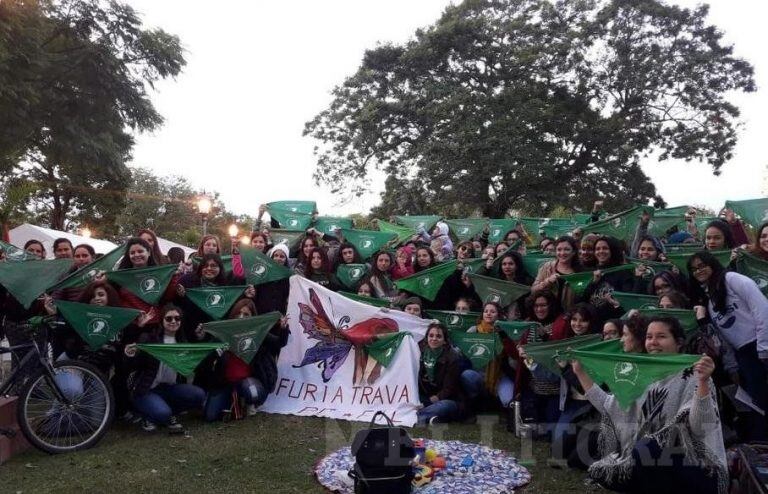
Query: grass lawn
[[265, 453]]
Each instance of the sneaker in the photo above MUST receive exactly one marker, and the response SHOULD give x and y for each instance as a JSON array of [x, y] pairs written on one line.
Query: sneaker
[[148, 426], [174, 427], [251, 410], [434, 420]]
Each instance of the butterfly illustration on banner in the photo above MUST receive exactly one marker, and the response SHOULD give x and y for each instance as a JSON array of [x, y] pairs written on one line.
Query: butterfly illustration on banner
[[335, 341]]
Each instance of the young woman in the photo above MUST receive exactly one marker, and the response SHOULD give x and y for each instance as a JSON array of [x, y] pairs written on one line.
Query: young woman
[[571, 437], [649, 249], [633, 334], [412, 306], [465, 250], [608, 254], [674, 300], [149, 237], [670, 440], [83, 255], [547, 245], [425, 259], [718, 236], [739, 311], [587, 251], [612, 329], [319, 270], [494, 378], [62, 248], [760, 247], [308, 243], [260, 242], [511, 269], [253, 381], [403, 263], [566, 262], [379, 277], [155, 391], [667, 281], [365, 289], [36, 248], [137, 255], [209, 244], [273, 295], [439, 385]]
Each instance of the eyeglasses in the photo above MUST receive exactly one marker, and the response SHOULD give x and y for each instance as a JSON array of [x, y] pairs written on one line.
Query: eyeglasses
[[699, 268], [172, 318]]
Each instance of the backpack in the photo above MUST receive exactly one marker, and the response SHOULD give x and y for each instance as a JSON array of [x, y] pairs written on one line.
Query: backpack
[[383, 458]]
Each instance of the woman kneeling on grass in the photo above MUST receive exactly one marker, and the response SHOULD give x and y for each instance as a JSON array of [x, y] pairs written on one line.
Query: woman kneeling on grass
[[439, 385], [156, 393], [669, 440]]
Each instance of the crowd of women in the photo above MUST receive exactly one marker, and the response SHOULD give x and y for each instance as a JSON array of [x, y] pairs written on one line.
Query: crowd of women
[[675, 436]]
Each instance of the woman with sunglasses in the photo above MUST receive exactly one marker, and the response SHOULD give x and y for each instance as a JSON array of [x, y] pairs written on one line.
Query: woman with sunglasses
[[157, 391]]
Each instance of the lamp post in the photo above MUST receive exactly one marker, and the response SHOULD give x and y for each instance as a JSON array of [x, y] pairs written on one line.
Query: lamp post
[[204, 207]]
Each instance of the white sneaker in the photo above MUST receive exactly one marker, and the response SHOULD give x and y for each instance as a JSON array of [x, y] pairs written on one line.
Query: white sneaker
[[251, 410], [148, 426]]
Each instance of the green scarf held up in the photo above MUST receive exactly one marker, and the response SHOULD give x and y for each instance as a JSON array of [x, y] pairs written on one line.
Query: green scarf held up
[[427, 283], [260, 269], [181, 357], [29, 279], [680, 259], [622, 225], [290, 220], [403, 233], [466, 228], [455, 320], [629, 301], [479, 348], [499, 227], [628, 375], [580, 281], [416, 222], [752, 211], [516, 329], [429, 357], [350, 275], [384, 348], [291, 238], [306, 207], [149, 284], [686, 317], [95, 324], [329, 224], [548, 353], [215, 300], [498, 291], [754, 268], [14, 254], [83, 276], [243, 336], [367, 242]]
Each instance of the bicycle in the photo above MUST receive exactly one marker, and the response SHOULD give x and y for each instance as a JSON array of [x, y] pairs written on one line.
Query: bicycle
[[62, 406]]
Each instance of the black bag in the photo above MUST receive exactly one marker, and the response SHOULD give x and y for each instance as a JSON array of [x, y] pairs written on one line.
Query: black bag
[[383, 458]]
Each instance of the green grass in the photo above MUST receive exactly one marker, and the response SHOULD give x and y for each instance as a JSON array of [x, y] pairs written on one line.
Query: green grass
[[265, 453]]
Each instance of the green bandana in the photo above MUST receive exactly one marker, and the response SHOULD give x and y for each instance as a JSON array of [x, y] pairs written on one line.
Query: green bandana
[[291, 220], [533, 262], [95, 324], [403, 232], [306, 207], [29, 279], [376, 302], [622, 225], [429, 357], [291, 238], [454, 320], [498, 291], [350, 275], [14, 254], [243, 336], [548, 353], [652, 267], [580, 281], [367, 242], [384, 348], [497, 228], [752, 211], [148, 284], [630, 301], [466, 228], [181, 357], [479, 348], [686, 317], [427, 283], [260, 269], [472, 265], [628, 375], [416, 222], [83, 276], [516, 329], [225, 260], [754, 268], [329, 224], [215, 300]]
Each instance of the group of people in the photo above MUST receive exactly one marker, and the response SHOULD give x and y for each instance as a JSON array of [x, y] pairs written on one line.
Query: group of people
[[681, 420]]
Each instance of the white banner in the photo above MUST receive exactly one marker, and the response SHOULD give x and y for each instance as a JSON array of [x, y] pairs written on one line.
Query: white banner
[[324, 370]]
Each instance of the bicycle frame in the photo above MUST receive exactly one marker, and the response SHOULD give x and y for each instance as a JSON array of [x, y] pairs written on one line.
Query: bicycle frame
[[34, 352]]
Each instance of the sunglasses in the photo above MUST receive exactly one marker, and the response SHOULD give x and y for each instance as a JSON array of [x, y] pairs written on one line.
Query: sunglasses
[[172, 318]]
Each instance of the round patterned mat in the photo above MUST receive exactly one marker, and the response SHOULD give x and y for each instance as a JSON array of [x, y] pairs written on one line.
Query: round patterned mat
[[493, 470]]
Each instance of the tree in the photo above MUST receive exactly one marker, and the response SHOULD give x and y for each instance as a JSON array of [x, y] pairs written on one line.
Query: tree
[[530, 104], [74, 77]]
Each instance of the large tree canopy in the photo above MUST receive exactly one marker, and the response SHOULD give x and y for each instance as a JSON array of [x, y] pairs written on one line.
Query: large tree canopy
[[74, 76], [532, 104]]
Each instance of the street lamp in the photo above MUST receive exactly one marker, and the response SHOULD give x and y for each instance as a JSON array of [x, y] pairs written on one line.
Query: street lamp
[[233, 230], [204, 207], [85, 232]]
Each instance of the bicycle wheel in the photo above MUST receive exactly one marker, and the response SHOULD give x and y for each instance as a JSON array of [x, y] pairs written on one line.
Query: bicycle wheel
[[55, 427]]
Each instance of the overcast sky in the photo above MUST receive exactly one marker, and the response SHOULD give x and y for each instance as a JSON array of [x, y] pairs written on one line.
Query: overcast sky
[[257, 71]]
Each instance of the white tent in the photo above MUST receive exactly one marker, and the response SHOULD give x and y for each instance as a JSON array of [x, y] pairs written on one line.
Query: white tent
[[167, 244], [21, 234]]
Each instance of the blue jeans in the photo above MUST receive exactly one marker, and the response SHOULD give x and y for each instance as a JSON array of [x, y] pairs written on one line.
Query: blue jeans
[[565, 425], [444, 410], [166, 400], [754, 381], [219, 400], [473, 383]]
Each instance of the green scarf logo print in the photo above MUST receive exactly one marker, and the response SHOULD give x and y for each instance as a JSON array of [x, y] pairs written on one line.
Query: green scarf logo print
[[150, 284], [246, 344], [478, 351], [258, 270], [626, 372], [98, 327], [366, 243], [426, 281], [215, 299], [454, 321]]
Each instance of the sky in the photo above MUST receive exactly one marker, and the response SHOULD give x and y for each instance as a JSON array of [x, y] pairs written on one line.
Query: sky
[[257, 71]]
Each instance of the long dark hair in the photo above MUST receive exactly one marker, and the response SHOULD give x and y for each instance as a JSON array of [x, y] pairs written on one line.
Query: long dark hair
[[520, 274], [356, 259], [554, 306], [588, 312], [325, 267], [156, 248], [125, 262], [715, 286], [575, 262], [675, 282], [416, 266], [221, 278], [113, 298], [725, 228], [755, 248], [180, 336], [617, 252]]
